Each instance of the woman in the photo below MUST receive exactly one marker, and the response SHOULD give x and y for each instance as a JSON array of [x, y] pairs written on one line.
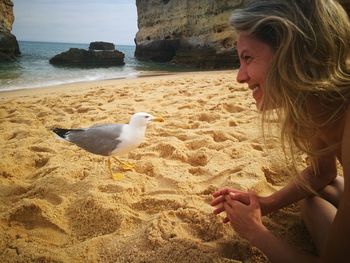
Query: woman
[[293, 57]]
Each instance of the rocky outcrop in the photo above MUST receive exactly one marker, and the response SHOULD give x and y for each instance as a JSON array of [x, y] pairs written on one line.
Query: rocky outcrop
[[194, 32], [99, 45], [9, 48], [6, 15], [96, 56]]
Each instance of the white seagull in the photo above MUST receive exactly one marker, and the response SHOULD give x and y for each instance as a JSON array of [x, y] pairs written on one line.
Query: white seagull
[[110, 139]]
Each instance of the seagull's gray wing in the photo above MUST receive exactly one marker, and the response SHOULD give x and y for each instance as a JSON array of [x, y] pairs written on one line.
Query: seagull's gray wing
[[101, 139]]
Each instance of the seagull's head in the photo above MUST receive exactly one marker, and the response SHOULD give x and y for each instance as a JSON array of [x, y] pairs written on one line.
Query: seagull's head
[[143, 118]]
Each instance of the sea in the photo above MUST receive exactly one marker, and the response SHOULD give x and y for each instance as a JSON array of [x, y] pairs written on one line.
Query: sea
[[32, 68]]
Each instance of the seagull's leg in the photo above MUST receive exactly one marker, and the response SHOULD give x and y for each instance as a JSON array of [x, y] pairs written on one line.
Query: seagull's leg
[[124, 165], [115, 176]]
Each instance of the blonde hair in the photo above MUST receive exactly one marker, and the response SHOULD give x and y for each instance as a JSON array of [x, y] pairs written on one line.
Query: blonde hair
[[311, 40]]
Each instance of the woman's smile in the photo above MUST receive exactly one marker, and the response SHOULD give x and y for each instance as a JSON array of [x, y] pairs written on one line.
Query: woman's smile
[[257, 94], [255, 57]]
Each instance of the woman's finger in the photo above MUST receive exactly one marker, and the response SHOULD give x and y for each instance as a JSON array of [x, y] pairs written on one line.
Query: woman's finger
[[218, 200], [242, 197], [219, 209], [229, 210], [224, 191], [254, 201]]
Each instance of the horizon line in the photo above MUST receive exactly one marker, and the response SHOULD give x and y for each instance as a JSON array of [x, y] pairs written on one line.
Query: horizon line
[[80, 43]]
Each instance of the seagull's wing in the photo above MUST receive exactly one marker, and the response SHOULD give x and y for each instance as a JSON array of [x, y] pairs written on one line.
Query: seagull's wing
[[101, 139]]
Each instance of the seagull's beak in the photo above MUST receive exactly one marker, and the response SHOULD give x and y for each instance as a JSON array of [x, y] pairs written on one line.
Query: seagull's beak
[[158, 119]]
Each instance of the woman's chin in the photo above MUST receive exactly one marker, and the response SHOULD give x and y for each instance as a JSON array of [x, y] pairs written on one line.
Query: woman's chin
[[259, 105]]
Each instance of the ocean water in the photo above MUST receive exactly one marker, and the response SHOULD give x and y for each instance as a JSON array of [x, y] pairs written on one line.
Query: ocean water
[[32, 69]]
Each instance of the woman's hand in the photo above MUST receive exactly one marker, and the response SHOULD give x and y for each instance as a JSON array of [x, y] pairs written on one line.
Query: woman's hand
[[244, 218], [238, 195], [219, 199]]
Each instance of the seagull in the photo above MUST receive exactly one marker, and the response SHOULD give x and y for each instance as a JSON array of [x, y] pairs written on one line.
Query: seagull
[[110, 139]]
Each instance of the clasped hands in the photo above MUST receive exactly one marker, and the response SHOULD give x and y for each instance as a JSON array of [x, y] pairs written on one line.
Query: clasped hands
[[243, 211]]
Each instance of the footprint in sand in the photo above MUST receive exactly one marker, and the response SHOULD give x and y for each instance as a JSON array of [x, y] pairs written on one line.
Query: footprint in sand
[[165, 149], [32, 216], [41, 149], [206, 227], [198, 171], [197, 143], [88, 218], [183, 223], [111, 188], [233, 108], [208, 117], [41, 161], [257, 146], [154, 205], [198, 158], [169, 151], [19, 134], [42, 158], [147, 168], [69, 110], [19, 120], [84, 109], [45, 193], [224, 175], [232, 123]]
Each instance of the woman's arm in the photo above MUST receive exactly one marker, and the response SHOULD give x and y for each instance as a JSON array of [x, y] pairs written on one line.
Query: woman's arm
[[289, 194], [293, 192], [246, 221], [338, 242]]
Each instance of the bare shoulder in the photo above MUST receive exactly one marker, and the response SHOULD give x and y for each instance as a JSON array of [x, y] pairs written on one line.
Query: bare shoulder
[[338, 243], [345, 148]]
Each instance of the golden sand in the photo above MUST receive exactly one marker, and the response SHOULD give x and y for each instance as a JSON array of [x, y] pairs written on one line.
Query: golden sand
[[59, 204]]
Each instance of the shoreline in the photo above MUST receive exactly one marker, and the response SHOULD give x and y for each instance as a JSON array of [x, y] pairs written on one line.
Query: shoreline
[[80, 84]]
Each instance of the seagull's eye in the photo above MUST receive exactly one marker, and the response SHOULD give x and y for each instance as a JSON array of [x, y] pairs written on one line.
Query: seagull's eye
[[146, 117]]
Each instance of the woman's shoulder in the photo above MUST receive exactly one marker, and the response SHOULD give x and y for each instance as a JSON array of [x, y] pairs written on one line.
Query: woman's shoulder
[[330, 121], [345, 146]]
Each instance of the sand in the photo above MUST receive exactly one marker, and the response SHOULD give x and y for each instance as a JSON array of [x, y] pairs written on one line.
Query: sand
[[59, 204]]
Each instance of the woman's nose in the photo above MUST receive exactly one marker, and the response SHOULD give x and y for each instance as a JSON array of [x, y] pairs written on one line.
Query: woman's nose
[[242, 76]]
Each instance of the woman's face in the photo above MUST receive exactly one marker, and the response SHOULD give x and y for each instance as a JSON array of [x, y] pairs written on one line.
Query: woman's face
[[255, 57]]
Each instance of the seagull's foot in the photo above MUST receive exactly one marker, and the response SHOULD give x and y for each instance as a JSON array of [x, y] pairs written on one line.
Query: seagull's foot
[[117, 176], [127, 167]]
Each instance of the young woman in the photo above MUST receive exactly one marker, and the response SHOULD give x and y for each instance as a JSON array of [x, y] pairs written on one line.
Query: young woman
[[293, 56]]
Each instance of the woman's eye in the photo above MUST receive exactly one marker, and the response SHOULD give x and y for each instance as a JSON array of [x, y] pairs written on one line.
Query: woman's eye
[[247, 58]]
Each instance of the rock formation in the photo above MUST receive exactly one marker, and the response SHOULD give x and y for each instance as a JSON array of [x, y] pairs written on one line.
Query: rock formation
[[9, 48], [193, 32], [100, 54], [99, 45]]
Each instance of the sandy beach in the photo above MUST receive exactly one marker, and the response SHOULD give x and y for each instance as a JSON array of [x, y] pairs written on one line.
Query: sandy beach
[[58, 203]]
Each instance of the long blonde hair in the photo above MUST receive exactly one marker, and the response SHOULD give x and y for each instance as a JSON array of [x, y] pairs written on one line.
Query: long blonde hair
[[311, 40]]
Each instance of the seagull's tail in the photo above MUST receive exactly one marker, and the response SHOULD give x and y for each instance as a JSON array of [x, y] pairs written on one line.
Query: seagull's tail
[[62, 133]]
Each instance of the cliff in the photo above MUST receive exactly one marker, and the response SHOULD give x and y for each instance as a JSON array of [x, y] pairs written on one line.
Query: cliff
[[192, 32], [8, 42]]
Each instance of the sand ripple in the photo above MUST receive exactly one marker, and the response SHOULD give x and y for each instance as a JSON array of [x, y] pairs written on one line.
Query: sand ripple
[[58, 203]]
